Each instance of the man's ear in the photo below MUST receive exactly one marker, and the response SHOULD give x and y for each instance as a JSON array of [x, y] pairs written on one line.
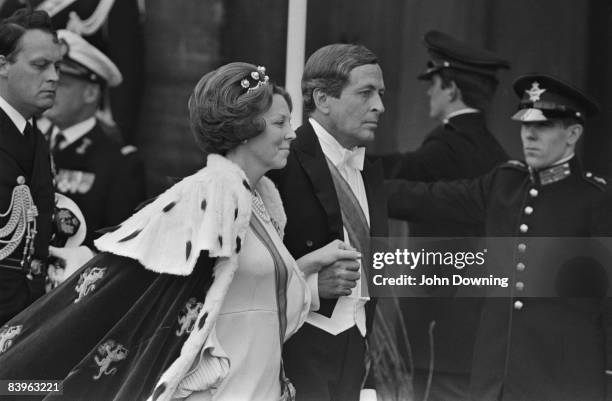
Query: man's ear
[[92, 93], [453, 91], [574, 133], [321, 100], [4, 66]]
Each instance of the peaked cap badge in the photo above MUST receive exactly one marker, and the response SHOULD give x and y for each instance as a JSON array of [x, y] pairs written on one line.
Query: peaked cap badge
[[535, 92]]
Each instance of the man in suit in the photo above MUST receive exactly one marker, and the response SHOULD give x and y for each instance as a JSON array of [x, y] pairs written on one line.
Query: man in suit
[[94, 171], [543, 337], [29, 53], [330, 192], [462, 81]]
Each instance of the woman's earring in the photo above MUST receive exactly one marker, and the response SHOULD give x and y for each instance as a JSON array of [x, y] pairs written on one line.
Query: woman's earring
[[244, 141]]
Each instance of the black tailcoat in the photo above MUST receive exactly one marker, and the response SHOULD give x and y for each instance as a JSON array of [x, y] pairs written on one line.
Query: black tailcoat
[[313, 213]]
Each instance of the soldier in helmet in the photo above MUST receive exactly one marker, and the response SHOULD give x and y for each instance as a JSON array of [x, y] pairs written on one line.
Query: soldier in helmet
[[530, 347]]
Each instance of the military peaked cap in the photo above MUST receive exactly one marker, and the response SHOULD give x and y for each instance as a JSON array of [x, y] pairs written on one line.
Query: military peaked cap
[[449, 53], [543, 97]]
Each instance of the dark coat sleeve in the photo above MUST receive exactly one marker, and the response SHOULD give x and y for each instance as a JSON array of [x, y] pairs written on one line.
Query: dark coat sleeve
[[44, 197], [435, 159], [462, 201]]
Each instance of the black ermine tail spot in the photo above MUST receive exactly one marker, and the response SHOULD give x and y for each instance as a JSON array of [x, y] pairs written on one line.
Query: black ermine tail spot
[[220, 241], [238, 244], [235, 213], [246, 185], [202, 320], [169, 207], [159, 391], [108, 229], [187, 249], [203, 204], [132, 235]]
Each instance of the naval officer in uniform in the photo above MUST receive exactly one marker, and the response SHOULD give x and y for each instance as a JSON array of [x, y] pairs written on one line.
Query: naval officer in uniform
[[105, 180], [29, 53], [530, 347]]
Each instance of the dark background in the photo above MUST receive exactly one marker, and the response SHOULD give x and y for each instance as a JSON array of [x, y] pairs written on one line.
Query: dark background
[[567, 38], [163, 47]]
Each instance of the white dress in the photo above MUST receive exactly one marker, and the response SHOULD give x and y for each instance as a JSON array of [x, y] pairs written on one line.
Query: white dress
[[247, 329]]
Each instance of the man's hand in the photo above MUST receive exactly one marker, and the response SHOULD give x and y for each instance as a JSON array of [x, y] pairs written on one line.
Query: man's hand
[[338, 278]]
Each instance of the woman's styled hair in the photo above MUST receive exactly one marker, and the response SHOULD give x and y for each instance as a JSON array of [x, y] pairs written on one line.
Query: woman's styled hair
[[329, 68], [226, 105]]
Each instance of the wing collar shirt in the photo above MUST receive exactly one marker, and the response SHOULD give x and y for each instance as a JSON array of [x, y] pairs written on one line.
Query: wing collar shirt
[[349, 310]]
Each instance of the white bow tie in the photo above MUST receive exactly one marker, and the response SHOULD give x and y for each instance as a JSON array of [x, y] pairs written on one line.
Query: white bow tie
[[353, 158]]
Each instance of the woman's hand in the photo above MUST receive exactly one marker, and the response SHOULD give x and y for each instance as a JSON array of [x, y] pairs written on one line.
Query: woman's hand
[[334, 253]]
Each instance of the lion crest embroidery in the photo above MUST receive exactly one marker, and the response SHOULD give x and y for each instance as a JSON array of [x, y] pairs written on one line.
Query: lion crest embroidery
[[188, 316], [7, 335], [87, 281], [110, 352]]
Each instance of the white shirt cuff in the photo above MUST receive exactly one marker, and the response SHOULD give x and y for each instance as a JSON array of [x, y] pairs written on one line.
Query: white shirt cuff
[[367, 394], [312, 281]]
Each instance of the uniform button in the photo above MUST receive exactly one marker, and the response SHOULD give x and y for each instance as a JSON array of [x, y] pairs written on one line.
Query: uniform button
[[520, 285], [589, 174], [518, 305], [21, 180], [528, 210], [309, 243], [522, 248], [520, 266], [533, 192], [524, 228]]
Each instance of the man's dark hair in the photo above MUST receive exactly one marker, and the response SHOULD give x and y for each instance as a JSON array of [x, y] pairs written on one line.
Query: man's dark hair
[[476, 90], [328, 69], [15, 26]]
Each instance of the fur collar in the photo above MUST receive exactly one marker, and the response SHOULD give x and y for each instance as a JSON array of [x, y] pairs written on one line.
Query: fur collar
[[209, 210]]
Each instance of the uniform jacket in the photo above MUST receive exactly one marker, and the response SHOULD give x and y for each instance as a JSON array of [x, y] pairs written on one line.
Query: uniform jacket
[[105, 184], [27, 158], [131, 322], [462, 148], [313, 213], [529, 348]]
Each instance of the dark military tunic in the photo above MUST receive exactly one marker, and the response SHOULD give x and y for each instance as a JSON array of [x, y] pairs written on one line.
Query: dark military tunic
[[104, 183], [27, 157], [528, 348], [462, 148]]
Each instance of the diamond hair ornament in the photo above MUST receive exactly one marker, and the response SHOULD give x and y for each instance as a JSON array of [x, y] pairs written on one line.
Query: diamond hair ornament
[[255, 79]]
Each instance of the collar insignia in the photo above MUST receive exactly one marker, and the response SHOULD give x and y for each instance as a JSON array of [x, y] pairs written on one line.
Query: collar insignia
[[554, 174]]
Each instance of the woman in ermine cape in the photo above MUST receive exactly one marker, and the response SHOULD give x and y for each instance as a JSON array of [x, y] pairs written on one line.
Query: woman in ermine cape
[[192, 296]]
